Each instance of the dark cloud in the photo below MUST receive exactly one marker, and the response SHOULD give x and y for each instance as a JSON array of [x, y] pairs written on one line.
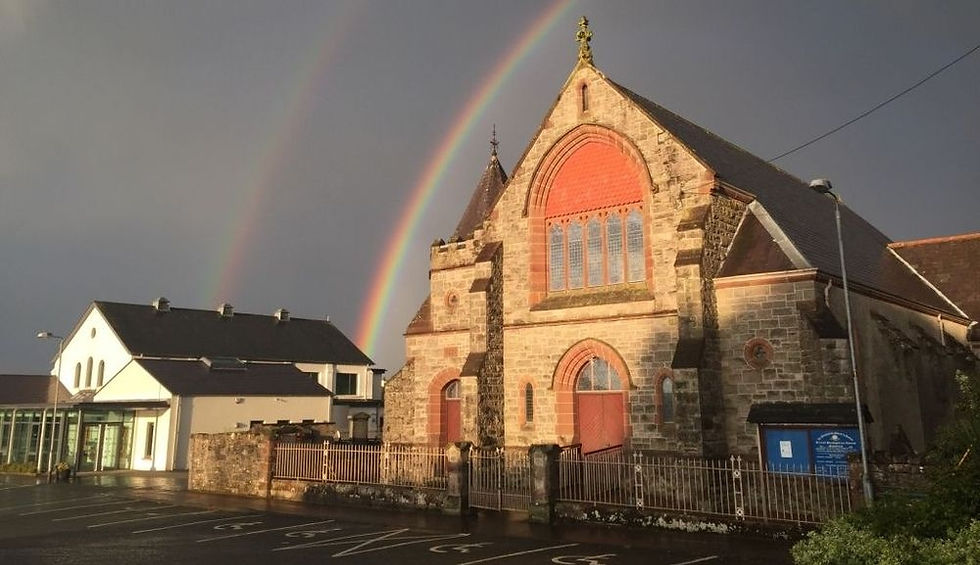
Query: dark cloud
[[131, 133]]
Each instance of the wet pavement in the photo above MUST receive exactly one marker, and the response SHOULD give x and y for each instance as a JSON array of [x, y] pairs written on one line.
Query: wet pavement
[[152, 518]]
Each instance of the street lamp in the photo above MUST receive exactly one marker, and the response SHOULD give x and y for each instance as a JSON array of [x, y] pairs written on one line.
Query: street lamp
[[823, 186], [57, 391]]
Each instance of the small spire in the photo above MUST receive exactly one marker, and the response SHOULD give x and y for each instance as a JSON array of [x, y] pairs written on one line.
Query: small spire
[[493, 142], [583, 37]]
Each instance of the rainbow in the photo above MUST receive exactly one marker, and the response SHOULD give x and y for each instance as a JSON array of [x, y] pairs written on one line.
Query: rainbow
[[395, 251], [235, 245]]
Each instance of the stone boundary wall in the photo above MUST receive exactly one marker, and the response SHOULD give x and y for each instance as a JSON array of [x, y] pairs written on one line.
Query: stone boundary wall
[[237, 463], [346, 494]]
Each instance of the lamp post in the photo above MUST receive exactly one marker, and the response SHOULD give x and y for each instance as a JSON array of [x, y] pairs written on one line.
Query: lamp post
[[823, 186], [57, 391]]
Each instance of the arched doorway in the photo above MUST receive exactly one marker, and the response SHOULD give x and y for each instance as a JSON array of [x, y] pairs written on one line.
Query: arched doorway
[[449, 424], [599, 406]]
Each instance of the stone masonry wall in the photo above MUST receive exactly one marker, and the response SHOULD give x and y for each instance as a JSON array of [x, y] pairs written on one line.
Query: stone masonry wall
[[769, 311], [238, 463]]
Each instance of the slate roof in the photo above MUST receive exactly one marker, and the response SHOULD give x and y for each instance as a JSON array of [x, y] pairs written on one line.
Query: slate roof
[[485, 195], [840, 413], [30, 389], [805, 216], [195, 378], [192, 333], [951, 264]]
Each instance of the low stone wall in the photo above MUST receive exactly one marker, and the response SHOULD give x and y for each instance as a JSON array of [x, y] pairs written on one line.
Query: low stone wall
[[238, 463], [345, 494]]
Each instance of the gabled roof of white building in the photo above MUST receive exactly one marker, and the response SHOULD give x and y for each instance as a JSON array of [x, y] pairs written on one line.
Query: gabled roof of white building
[[148, 331], [196, 378]]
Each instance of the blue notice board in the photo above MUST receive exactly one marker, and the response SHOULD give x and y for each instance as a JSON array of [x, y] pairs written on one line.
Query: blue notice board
[[830, 449], [788, 450]]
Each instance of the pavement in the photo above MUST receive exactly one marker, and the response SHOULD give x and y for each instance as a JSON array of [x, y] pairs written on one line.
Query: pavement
[[147, 517]]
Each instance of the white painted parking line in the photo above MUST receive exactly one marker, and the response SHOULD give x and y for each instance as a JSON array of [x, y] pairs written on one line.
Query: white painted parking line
[[63, 508], [160, 517], [195, 523], [113, 512], [519, 553], [701, 560], [18, 486], [263, 531], [62, 501], [371, 541]]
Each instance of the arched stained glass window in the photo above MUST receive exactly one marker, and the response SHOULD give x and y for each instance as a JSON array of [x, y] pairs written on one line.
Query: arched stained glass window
[[667, 400], [634, 246], [594, 249], [556, 258], [101, 376], [528, 403], [575, 256], [614, 248], [78, 375], [597, 375]]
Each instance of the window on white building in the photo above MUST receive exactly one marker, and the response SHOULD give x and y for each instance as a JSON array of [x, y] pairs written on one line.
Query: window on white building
[[345, 383]]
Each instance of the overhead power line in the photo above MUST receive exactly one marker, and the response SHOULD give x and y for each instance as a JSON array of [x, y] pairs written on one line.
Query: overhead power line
[[877, 106]]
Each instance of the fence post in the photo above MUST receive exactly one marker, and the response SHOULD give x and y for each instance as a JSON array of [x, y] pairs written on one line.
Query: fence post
[[638, 480], [737, 487], [544, 482], [457, 478]]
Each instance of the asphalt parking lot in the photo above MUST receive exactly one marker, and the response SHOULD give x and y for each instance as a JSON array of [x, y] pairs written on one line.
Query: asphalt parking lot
[[100, 521]]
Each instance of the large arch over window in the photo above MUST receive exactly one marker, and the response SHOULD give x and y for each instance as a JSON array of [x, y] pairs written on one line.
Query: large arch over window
[[588, 355], [581, 236]]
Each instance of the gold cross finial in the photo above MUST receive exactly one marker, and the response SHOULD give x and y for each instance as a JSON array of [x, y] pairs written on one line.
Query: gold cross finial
[[583, 37]]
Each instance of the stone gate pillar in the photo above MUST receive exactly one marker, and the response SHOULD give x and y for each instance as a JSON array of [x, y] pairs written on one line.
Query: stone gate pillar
[[458, 478], [544, 482]]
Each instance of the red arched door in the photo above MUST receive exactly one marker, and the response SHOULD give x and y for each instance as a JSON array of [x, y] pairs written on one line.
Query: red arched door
[[449, 425], [599, 406]]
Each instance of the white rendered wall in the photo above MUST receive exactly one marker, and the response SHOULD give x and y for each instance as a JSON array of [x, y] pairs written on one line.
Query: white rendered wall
[[161, 426], [215, 414], [133, 382], [103, 346]]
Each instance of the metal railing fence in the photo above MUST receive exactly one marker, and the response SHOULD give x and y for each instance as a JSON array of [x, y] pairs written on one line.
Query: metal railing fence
[[379, 464], [729, 487]]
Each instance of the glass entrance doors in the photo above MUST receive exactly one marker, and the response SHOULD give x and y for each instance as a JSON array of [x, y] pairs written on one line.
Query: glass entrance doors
[[104, 447]]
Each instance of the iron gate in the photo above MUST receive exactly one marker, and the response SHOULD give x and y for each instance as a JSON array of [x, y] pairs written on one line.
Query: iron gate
[[500, 479]]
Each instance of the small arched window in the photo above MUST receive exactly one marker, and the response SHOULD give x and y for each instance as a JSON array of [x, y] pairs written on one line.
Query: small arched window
[[556, 258], [78, 375], [634, 246], [88, 373], [528, 403], [575, 256], [584, 96], [101, 376], [614, 248], [666, 400], [451, 392]]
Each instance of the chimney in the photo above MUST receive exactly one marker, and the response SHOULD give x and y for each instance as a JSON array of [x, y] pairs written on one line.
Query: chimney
[[161, 305], [282, 316], [226, 310]]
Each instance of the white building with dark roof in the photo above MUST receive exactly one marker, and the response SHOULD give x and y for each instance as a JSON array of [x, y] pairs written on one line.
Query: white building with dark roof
[[143, 377]]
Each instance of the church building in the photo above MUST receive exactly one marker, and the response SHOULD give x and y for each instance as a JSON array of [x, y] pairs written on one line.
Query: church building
[[638, 282]]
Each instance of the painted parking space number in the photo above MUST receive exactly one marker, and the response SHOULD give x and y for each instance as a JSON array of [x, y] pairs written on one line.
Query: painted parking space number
[[236, 525], [583, 559], [458, 547]]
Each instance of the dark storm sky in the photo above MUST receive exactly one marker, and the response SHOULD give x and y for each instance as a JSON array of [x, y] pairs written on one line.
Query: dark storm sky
[[135, 137]]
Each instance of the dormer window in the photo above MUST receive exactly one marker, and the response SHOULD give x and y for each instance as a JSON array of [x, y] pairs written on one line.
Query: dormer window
[[345, 384]]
